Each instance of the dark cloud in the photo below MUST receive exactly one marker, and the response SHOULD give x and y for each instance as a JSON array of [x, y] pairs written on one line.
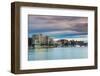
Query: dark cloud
[[80, 27], [41, 23]]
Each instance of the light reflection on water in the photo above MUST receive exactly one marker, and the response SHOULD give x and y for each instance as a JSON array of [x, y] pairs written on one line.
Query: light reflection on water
[[58, 53]]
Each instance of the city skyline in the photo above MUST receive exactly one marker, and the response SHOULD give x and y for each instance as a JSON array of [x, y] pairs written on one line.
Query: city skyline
[[58, 27]]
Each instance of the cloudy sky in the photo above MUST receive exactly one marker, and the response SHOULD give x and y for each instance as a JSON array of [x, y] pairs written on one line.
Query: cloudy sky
[[58, 27]]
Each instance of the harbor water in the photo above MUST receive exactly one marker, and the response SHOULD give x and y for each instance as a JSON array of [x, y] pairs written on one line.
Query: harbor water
[[57, 53]]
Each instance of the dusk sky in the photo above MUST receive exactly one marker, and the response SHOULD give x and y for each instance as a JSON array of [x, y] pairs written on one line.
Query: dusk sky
[[58, 27]]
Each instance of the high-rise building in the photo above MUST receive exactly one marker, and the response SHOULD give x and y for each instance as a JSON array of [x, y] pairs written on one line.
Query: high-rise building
[[40, 40]]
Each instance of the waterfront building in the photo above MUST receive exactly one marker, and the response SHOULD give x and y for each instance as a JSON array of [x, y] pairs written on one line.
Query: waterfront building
[[44, 41], [40, 40]]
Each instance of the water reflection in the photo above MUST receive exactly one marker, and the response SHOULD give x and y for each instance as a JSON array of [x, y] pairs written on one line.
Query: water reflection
[[57, 53]]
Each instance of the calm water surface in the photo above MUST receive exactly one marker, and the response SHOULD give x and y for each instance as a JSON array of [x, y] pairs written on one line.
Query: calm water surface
[[58, 53]]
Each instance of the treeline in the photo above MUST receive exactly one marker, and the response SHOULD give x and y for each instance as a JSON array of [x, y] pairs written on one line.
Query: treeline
[[62, 43], [71, 43]]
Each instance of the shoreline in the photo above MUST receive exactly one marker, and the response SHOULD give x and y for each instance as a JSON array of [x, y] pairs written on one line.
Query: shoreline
[[57, 47]]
